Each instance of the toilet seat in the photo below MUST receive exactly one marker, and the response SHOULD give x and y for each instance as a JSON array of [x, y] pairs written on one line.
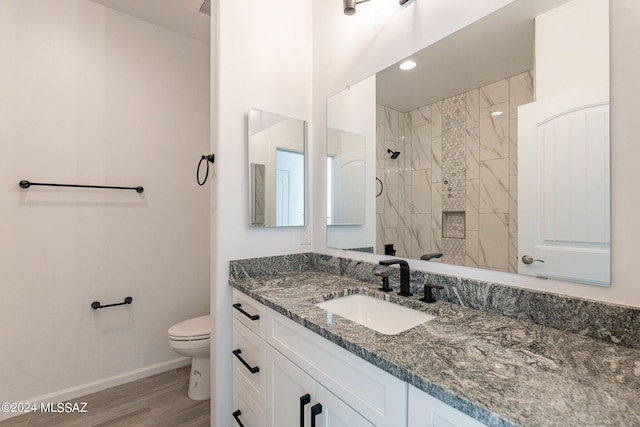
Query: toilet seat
[[196, 329]]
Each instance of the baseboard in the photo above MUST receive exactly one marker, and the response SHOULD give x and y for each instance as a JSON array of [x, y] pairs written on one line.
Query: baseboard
[[103, 384]]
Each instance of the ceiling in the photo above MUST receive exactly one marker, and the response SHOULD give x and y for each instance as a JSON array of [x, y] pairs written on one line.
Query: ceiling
[[181, 16], [497, 46]]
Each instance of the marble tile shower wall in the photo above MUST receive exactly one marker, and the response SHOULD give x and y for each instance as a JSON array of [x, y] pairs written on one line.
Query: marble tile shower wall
[[453, 189]]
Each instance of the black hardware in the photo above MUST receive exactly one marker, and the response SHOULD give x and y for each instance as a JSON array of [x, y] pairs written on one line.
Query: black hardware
[[26, 184], [96, 304], [236, 416], [385, 280], [209, 159], [315, 410], [427, 257], [304, 400], [252, 369], [388, 250], [381, 187], [250, 316], [428, 295], [405, 275]]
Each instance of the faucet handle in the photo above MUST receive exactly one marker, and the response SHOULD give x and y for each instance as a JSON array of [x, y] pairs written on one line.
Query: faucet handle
[[428, 294], [385, 279]]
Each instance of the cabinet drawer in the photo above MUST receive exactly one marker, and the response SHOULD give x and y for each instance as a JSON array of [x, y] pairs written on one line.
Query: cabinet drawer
[[249, 312], [427, 411], [245, 409], [249, 362], [379, 397]]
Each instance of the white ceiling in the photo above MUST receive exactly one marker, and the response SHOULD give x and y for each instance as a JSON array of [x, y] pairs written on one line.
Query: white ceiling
[[181, 16], [497, 46]]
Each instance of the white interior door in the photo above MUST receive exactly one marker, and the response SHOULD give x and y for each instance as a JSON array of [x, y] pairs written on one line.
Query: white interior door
[[349, 188], [563, 187]]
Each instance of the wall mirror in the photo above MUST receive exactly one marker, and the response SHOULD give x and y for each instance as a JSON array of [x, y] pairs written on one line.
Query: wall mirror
[[493, 152], [277, 170]]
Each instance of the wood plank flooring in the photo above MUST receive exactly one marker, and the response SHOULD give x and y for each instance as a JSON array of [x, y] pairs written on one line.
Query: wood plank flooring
[[157, 401]]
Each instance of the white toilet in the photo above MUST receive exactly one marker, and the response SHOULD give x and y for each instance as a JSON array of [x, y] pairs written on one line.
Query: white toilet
[[192, 338]]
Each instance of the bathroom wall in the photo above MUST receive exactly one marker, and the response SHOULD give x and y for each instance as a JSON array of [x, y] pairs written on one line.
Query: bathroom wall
[[348, 49], [91, 96], [453, 188], [263, 55]]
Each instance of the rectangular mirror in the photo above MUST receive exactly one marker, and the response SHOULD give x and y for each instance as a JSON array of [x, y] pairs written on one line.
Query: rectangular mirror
[[277, 170], [464, 168]]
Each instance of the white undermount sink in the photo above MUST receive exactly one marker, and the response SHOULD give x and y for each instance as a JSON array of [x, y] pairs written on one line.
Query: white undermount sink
[[382, 316]]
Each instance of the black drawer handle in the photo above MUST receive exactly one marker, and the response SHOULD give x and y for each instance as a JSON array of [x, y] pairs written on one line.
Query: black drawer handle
[[236, 416], [304, 400], [253, 370], [250, 316], [315, 410]]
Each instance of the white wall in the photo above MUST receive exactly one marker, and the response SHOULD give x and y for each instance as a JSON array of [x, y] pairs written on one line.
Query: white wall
[[264, 62], [348, 49], [92, 96]]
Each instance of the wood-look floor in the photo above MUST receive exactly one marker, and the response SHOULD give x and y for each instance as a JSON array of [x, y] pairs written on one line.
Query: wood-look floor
[[157, 401]]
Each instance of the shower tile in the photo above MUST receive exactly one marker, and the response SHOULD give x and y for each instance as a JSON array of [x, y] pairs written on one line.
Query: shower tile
[[513, 203], [436, 118], [473, 201], [380, 234], [513, 147], [421, 191], [494, 93], [472, 249], [473, 153], [421, 116], [380, 147], [391, 206], [391, 169], [520, 91], [494, 186], [494, 132], [436, 159], [390, 124], [421, 147], [436, 240], [391, 237], [472, 109], [380, 114], [436, 206], [420, 235], [513, 252], [408, 128], [494, 241], [408, 200]]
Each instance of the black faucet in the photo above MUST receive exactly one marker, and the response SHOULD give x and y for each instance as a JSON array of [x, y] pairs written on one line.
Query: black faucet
[[405, 275]]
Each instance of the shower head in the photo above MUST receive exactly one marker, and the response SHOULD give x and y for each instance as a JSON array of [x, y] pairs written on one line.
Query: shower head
[[394, 154], [350, 6]]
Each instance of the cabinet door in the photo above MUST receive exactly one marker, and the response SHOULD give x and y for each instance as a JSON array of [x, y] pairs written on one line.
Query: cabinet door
[[427, 411], [336, 413], [287, 384]]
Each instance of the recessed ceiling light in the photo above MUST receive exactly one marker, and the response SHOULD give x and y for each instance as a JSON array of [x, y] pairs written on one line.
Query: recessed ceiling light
[[407, 65], [496, 113]]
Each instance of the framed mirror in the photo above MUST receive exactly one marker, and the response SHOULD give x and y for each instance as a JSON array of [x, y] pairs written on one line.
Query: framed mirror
[[277, 170], [468, 171]]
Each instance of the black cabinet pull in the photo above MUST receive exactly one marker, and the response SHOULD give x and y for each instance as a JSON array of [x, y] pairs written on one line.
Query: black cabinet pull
[[250, 316], [253, 370], [304, 400], [315, 410], [236, 416]]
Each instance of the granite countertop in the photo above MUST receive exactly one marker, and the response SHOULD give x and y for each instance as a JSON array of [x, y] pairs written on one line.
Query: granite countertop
[[497, 369]]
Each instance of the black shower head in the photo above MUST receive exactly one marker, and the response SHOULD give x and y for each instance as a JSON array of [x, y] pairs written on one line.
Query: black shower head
[[394, 154]]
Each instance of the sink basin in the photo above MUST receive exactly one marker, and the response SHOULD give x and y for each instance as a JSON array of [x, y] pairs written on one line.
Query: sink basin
[[382, 316]]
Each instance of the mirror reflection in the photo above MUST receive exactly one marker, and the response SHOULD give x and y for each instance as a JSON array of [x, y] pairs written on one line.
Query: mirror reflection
[[276, 170], [450, 141]]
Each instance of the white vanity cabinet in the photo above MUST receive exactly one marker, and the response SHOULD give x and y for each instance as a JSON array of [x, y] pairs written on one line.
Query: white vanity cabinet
[[427, 411]]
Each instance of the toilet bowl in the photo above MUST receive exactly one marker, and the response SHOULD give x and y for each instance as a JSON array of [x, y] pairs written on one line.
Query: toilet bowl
[[192, 338]]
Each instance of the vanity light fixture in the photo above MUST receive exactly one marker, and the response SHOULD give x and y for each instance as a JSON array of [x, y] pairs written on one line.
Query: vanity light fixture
[[408, 65], [350, 5]]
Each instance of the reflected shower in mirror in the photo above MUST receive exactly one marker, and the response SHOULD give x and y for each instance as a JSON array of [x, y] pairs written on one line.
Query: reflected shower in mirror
[[277, 170], [456, 186]]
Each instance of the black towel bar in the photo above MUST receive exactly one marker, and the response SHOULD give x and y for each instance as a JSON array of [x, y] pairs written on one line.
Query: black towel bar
[[26, 184], [96, 304]]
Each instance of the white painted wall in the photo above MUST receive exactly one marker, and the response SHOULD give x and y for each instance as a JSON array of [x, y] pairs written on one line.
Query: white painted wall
[[264, 62], [91, 96], [348, 49], [572, 48]]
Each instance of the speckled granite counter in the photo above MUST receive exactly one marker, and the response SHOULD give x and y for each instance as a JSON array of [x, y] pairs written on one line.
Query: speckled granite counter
[[497, 369]]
